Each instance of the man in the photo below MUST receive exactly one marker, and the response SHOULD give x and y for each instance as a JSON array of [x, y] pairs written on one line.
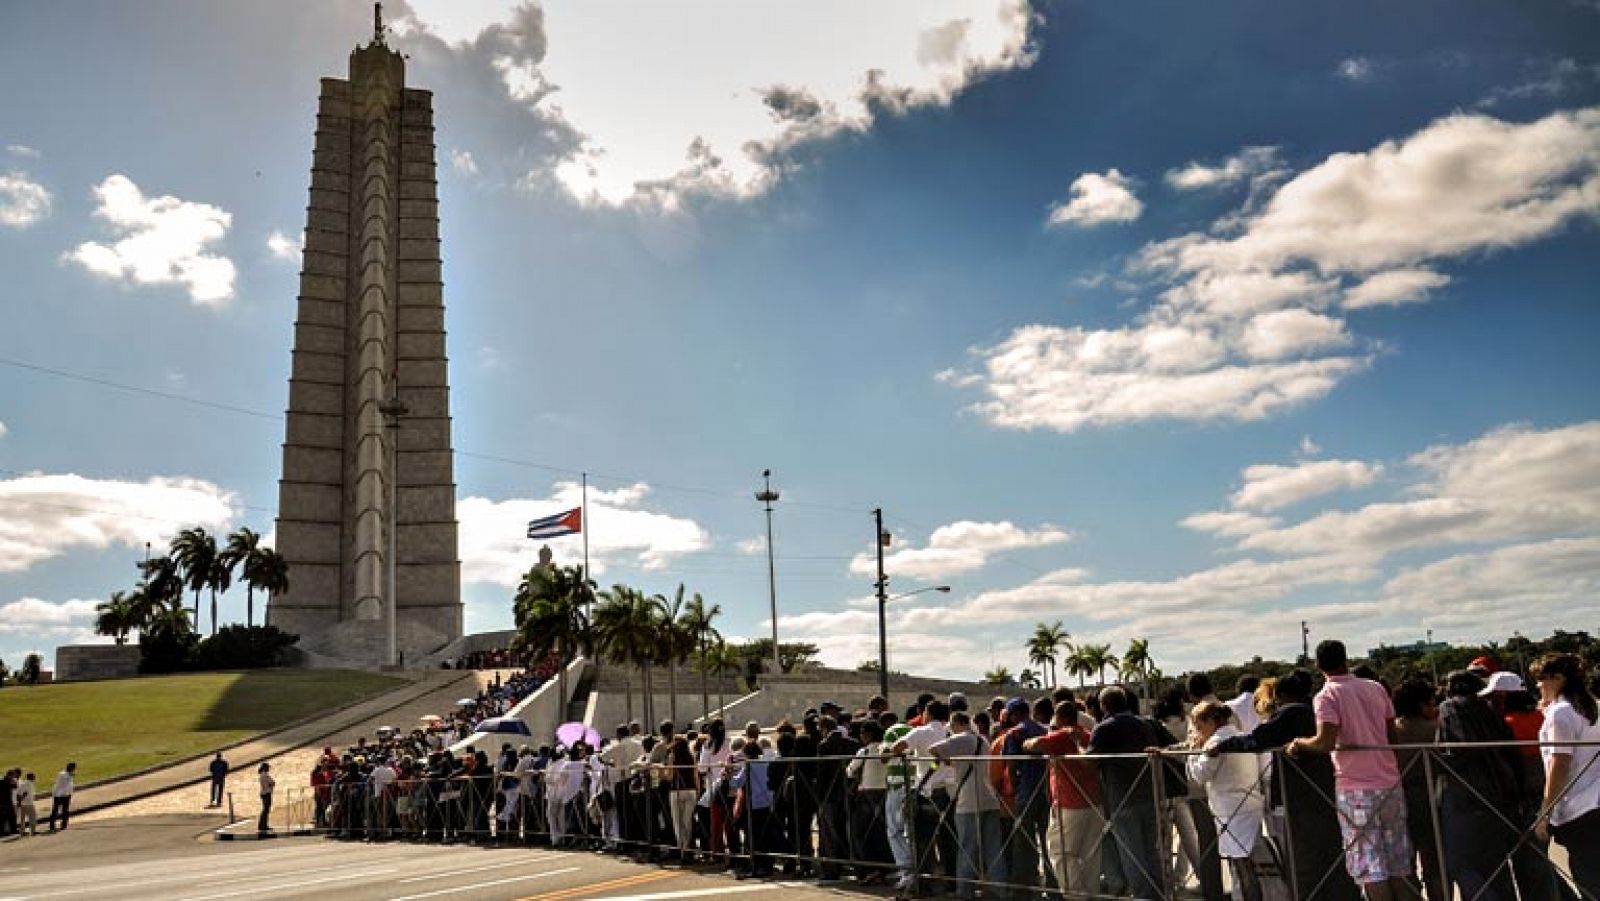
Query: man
[[934, 828], [383, 779], [1245, 718], [897, 810], [753, 807], [1207, 856], [1075, 822], [61, 797], [1355, 717], [619, 757], [977, 809], [1129, 791], [219, 779], [833, 795], [1032, 805], [8, 803], [27, 814]]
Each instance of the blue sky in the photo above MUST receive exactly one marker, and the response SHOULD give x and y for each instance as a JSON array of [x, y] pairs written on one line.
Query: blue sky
[[1165, 320]]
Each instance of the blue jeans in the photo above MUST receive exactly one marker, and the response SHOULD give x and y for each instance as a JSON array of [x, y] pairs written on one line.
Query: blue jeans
[[982, 854], [1134, 830], [895, 814]]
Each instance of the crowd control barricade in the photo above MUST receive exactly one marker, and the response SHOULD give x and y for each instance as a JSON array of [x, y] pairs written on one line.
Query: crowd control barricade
[[1460, 825]]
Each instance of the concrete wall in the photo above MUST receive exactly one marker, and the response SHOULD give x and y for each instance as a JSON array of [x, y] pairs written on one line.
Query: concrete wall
[[540, 710], [85, 662]]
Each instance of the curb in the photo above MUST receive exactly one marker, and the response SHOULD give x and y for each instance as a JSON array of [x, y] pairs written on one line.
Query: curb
[[250, 835]]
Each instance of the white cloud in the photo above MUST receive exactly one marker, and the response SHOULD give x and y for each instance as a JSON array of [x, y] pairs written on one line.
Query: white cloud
[[3, 430], [1248, 164], [23, 151], [44, 516], [1513, 483], [1273, 487], [1545, 78], [463, 162], [495, 549], [1529, 587], [753, 546], [957, 548], [1229, 523], [23, 201], [1308, 448], [160, 241], [1098, 197], [30, 615], [1357, 68], [1394, 287], [283, 247], [1246, 325], [656, 131]]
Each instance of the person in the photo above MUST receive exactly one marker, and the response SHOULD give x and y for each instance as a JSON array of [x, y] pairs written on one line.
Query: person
[[1243, 706], [8, 803], [868, 773], [1416, 725], [834, 751], [27, 812], [264, 775], [897, 810], [982, 849], [1571, 808], [1075, 821], [1479, 794], [1355, 723], [710, 768], [1233, 792], [1030, 789], [61, 797], [752, 788], [1129, 791], [219, 779], [1537, 878], [932, 827], [1197, 828]]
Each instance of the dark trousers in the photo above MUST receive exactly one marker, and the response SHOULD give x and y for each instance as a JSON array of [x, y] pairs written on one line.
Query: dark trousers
[[1025, 842], [1138, 847], [8, 817], [1476, 844], [1581, 838], [61, 807], [759, 826], [1208, 869], [833, 821], [934, 846], [870, 831], [266, 810], [216, 791]]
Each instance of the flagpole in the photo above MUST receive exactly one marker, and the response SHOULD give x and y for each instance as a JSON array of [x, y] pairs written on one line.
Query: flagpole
[[585, 523]]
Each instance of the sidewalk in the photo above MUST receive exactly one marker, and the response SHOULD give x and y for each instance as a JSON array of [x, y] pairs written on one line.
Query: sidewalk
[[251, 753]]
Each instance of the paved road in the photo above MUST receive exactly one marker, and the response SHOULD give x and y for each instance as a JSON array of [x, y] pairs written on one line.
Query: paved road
[[171, 858]]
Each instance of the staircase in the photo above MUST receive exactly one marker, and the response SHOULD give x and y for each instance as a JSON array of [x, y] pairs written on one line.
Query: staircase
[[578, 696]]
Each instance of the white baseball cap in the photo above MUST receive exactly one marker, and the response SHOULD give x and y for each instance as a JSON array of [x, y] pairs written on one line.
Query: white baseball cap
[[1503, 681]]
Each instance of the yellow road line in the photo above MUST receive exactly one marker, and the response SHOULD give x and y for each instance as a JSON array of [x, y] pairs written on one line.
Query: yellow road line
[[622, 882]]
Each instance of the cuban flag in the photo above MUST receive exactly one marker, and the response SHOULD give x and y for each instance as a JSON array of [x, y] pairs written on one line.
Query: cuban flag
[[556, 525]]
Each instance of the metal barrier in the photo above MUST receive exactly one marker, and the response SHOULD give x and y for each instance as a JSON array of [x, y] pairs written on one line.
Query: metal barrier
[[1079, 826]]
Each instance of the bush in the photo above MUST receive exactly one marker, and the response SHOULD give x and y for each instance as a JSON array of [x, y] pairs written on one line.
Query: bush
[[243, 647], [163, 649]]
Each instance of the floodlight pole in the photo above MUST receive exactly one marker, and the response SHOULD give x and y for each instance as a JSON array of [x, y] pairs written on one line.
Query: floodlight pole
[[767, 496]]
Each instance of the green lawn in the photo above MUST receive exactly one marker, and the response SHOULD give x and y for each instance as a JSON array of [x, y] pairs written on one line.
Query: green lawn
[[119, 726]]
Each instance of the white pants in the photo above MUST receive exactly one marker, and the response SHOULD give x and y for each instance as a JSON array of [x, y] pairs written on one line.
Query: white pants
[[683, 817], [510, 800], [555, 810], [1074, 840]]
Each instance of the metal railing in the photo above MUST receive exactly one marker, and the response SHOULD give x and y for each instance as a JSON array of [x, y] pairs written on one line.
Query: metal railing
[[1455, 825]]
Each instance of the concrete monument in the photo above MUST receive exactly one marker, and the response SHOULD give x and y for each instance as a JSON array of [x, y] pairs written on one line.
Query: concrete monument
[[367, 496]]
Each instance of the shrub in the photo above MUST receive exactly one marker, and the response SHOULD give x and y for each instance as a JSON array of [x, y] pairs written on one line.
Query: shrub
[[243, 647]]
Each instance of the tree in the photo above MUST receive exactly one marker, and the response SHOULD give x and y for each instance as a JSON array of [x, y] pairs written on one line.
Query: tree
[[627, 625], [1029, 679], [999, 675], [551, 612], [1136, 663], [259, 568], [195, 552], [272, 575], [5, 673], [1099, 658], [1044, 644], [1079, 664], [697, 621], [792, 655], [32, 670], [114, 617], [674, 645], [721, 658]]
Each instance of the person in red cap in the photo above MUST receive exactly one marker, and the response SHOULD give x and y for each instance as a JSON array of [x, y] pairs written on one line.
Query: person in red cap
[[1484, 666]]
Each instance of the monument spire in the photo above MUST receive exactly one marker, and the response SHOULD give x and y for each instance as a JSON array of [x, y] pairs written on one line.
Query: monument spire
[[377, 24]]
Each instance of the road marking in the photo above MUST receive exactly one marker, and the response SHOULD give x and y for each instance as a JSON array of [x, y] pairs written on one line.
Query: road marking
[[699, 893], [281, 886], [622, 882], [467, 888], [493, 866]]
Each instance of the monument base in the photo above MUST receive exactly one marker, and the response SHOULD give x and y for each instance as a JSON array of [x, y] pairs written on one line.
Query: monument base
[[327, 641]]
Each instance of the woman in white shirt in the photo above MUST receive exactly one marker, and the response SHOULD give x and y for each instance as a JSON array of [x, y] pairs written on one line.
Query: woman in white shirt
[[1571, 809], [264, 773], [1233, 791], [712, 765]]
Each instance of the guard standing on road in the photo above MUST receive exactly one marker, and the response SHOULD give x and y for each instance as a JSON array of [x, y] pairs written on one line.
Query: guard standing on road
[[219, 779]]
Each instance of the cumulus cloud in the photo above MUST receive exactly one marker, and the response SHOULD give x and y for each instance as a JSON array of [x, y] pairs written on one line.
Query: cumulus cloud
[[28, 616], [23, 201], [956, 548], [283, 247], [656, 132], [44, 516], [495, 549], [1529, 587], [1250, 315], [1248, 164], [1357, 68], [1273, 487], [1229, 523], [463, 162], [159, 241], [1096, 198]]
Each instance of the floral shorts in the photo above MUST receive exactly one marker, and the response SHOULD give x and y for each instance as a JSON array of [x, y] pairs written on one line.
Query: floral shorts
[[1376, 844]]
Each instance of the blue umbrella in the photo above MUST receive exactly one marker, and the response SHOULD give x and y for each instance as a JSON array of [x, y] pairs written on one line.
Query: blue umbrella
[[503, 725]]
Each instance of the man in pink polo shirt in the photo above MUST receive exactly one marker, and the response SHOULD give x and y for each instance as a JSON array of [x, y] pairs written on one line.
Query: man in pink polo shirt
[[1355, 720]]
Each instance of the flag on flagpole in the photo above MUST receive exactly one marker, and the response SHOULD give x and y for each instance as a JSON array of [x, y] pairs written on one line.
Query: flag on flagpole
[[556, 525]]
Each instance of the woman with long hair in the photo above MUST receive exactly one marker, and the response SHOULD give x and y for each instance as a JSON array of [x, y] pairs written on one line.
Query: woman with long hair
[[1571, 808]]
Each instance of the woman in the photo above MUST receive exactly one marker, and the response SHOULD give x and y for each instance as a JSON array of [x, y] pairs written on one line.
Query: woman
[[1233, 784], [1416, 724], [711, 765], [1479, 800], [1169, 710], [1571, 808], [264, 773]]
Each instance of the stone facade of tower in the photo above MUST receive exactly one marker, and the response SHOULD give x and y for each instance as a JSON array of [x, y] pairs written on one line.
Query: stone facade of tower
[[369, 329]]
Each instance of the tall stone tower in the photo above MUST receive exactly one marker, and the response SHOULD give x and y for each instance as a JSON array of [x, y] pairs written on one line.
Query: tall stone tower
[[366, 455]]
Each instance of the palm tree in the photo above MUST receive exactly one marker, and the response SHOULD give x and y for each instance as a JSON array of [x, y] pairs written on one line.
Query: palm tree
[[195, 551], [114, 617], [272, 575], [999, 675], [719, 658], [1136, 663], [1044, 644], [1027, 679], [675, 644], [245, 553], [697, 623], [1098, 658], [627, 626], [1080, 664], [551, 611], [159, 595]]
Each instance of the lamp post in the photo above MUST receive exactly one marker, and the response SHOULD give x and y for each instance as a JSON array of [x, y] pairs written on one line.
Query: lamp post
[[883, 641], [392, 411], [766, 496]]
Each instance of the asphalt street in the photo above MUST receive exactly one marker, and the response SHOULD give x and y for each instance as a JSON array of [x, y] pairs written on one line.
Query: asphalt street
[[172, 858]]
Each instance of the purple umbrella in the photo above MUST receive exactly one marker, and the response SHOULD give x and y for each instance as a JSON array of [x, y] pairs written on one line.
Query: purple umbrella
[[569, 734]]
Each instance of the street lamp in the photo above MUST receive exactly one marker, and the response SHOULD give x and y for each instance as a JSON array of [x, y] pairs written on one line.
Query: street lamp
[[883, 632], [767, 496], [392, 411]]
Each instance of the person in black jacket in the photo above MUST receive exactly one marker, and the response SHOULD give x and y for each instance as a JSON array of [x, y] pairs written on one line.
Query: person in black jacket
[[1479, 796], [833, 795]]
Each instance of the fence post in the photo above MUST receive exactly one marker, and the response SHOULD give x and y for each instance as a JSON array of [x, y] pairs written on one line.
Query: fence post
[[1158, 783], [1438, 833], [231, 817]]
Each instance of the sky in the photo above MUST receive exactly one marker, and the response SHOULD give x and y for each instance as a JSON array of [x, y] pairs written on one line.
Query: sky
[[1178, 321]]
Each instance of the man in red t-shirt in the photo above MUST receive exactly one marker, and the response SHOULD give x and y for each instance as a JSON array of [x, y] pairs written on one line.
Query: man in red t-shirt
[[1075, 820]]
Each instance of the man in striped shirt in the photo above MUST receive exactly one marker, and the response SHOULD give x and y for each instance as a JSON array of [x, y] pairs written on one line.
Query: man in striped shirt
[[896, 805]]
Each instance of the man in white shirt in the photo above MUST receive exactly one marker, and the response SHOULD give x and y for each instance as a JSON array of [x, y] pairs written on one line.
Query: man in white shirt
[[935, 784], [383, 779], [27, 814], [61, 797], [1244, 706]]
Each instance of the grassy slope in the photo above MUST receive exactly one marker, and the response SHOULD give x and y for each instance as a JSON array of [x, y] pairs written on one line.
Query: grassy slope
[[116, 727]]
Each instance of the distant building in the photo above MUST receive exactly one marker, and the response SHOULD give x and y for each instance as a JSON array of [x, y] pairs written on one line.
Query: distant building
[[1416, 647]]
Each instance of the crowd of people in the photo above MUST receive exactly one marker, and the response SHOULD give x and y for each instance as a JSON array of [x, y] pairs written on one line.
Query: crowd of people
[[19, 801], [1295, 790], [503, 658]]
